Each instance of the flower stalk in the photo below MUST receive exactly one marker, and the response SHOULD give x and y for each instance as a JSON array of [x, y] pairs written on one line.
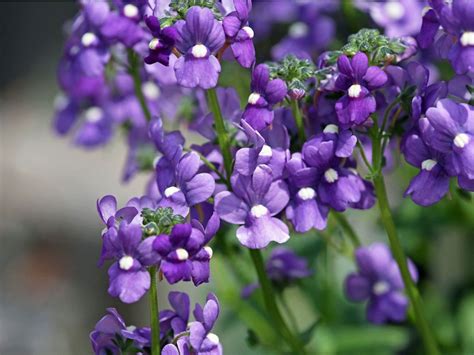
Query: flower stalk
[[295, 108], [397, 250], [154, 313], [134, 70]]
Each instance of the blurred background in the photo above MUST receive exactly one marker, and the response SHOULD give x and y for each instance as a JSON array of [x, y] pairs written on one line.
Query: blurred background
[[52, 293]]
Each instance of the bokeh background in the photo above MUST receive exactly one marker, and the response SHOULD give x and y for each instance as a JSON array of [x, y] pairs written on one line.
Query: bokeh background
[[52, 293]]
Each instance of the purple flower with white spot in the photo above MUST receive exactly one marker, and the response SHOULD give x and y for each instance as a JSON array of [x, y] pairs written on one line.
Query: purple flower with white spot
[[357, 80], [162, 43], [265, 94], [129, 277], [305, 209], [199, 37], [239, 34], [449, 129], [181, 185], [184, 253], [456, 19], [175, 321], [254, 202], [379, 281]]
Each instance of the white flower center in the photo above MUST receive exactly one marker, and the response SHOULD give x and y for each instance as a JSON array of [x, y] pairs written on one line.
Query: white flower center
[[306, 193], [461, 140], [266, 151], [182, 254], [331, 175], [130, 11], [199, 51], [213, 338], [171, 191], [249, 31], [380, 287], [331, 128], [258, 211], [354, 91], [298, 30], [94, 114], [209, 251], [151, 90], [467, 39], [253, 98], [154, 43], [425, 10], [428, 164], [88, 38], [60, 102], [126, 262], [394, 10]]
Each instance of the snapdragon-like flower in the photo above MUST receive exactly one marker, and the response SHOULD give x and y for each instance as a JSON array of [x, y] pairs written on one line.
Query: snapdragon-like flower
[[198, 339], [162, 43], [449, 129], [456, 19], [112, 336], [239, 34], [199, 37], [265, 94], [181, 185], [184, 253], [175, 321], [129, 277], [357, 80], [254, 202], [379, 281]]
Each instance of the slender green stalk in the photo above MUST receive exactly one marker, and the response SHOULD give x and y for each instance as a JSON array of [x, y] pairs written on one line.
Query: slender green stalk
[[271, 305], [134, 71], [348, 230], [155, 323], [295, 108], [397, 250], [222, 135], [395, 246]]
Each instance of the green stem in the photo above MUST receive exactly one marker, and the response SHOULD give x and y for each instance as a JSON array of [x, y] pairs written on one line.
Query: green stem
[[222, 135], [348, 230], [154, 311], [397, 250], [134, 71], [271, 304], [295, 108]]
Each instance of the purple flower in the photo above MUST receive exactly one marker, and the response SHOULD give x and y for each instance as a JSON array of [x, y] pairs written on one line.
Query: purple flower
[[432, 182], [199, 339], [239, 33], [199, 38], [378, 280], [129, 277], [247, 159], [254, 202], [457, 21], [174, 322], [337, 186], [162, 43], [265, 94], [110, 334], [107, 208], [398, 17], [357, 80], [181, 185], [449, 129], [305, 209], [184, 253]]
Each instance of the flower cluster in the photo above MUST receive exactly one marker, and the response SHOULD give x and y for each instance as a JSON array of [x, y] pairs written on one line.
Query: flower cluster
[[314, 139]]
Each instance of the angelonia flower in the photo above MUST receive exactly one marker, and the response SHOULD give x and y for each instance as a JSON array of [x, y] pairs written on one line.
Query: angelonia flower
[[454, 20], [265, 94], [378, 281], [357, 79]]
